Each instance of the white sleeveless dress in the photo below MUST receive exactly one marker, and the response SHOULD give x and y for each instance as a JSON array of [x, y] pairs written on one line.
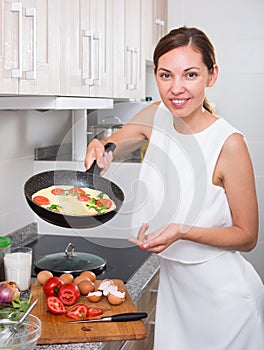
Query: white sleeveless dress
[[208, 298]]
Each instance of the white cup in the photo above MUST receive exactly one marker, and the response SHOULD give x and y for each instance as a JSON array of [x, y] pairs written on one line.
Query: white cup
[[17, 263]]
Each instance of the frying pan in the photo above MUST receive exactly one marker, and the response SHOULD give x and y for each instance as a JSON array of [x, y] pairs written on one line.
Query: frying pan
[[89, 178]]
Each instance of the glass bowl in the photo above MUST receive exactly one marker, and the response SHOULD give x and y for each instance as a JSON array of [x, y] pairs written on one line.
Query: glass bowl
[[27, 336]]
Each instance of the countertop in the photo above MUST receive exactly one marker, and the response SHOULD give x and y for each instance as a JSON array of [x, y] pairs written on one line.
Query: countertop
[[135, 286]]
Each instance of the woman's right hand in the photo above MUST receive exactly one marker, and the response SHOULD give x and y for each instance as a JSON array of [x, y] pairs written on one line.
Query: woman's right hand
[[96, 151]]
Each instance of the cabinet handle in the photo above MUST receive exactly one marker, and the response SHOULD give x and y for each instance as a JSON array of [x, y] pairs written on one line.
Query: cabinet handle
[[31, 74], [154, 291], [136, 69], [87, 80], [17, 7], [98, 38], [130, 52], [160, 28]]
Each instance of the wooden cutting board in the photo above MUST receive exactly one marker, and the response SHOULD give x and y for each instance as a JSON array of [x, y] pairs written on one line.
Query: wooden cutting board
[[55, 331]]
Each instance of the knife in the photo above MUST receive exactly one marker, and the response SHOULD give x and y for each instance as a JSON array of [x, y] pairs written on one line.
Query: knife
[[125, 317]]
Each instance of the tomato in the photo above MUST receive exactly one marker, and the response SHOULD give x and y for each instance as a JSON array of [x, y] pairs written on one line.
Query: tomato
[[94, 311], [58, 191], [55, 306], [104, 202], [75, 191], [52, 286], [69, 293], [83, 198], [78, 311], [41, 200]]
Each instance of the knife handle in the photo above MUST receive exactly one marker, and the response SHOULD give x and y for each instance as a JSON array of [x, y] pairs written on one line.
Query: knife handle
[[129, 316]]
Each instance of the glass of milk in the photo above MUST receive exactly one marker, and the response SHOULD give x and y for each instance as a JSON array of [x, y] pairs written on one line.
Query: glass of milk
[[17, 263]]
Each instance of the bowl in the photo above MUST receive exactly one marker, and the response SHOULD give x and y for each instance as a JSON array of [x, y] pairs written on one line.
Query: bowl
[[27, 336]]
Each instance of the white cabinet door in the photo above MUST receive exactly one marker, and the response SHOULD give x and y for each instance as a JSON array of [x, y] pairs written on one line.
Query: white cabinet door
[[129, 64], [10, 60], [28, 42], [155, 12], [70, 70], [40, 42], [100, 18], [86, 59]]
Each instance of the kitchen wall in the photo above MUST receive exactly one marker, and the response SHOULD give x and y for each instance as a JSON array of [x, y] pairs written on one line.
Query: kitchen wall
[[237, 30], [20, 133]]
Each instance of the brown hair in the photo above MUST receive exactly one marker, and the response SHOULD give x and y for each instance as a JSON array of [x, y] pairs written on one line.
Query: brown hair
[[193, 37]]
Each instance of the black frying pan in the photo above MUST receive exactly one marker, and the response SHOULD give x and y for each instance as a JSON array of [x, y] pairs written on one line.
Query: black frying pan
[[89, 179]]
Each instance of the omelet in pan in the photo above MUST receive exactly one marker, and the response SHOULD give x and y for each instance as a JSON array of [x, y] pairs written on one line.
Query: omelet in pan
[[75, 201]]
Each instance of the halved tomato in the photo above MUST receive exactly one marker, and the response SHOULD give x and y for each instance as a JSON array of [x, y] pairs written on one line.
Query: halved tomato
[[55, 306], [69, 293], [78, 312], [41, 200]]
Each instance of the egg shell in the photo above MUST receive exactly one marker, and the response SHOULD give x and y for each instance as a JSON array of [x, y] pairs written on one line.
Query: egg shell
[[94, 297], [116, 298]]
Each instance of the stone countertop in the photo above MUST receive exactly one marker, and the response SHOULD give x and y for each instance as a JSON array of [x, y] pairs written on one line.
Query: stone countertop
[[135, 286]]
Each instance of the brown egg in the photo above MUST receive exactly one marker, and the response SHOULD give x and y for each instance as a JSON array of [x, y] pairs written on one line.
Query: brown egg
[[86, 287], [116, 298], [94, 297], [80, 278], [43, 276], [67, 277], [89, 274]]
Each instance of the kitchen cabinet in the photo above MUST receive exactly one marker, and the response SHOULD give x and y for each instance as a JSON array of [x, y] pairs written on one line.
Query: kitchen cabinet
[[91, 48], [146, 303], [86, 50], [129, 62], [155, 14], [29, 47]]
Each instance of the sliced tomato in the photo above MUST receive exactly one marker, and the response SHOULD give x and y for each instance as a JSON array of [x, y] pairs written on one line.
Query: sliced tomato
[[55, 306], [58, 191], [83, 198], [41, 200], [69, 293], [78, 312], [104, 202], [75, 191], [94, 311], [52, 286]]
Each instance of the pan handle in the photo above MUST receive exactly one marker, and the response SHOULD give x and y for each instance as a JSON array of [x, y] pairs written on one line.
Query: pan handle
[[94, 169]]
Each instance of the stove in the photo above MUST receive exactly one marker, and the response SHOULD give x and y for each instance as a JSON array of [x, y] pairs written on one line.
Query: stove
[[122, 260]]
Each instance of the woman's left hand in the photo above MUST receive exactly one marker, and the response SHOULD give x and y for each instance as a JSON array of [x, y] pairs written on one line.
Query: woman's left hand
[[158, 240]]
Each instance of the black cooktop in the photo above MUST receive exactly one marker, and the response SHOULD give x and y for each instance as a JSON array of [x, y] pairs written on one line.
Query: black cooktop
[[123, 259]]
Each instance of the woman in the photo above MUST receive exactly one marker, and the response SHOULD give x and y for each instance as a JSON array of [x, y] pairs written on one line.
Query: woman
[[201, 207]]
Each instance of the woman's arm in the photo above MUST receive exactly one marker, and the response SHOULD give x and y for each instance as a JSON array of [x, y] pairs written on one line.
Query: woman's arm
[[130, 137], [234, 172]]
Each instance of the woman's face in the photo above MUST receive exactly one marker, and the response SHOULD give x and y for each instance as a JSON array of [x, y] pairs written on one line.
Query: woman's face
[[182, 79]]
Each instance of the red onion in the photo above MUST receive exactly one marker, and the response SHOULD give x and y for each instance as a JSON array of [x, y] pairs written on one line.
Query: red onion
[[9, 291]]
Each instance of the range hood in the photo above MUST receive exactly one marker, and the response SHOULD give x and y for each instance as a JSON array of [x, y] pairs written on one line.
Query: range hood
[[53, 102]]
